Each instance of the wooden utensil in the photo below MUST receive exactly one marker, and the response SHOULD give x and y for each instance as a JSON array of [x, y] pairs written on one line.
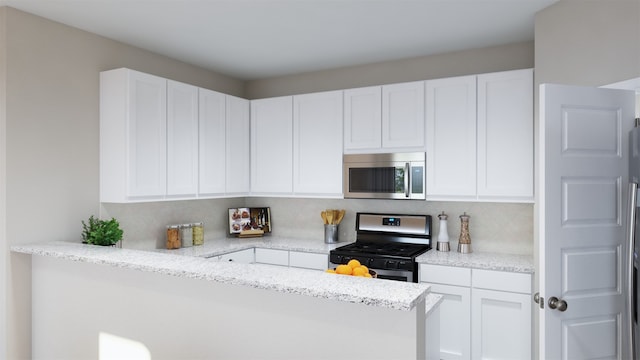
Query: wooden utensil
[[323, 215], [329, 215], [340, 216]]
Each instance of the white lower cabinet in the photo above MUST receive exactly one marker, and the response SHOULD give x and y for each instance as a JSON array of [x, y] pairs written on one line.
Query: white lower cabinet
[[243, 257], [485, 314], [500, 324], [299, 259], [455, 321], [272, 257], [308, 260]]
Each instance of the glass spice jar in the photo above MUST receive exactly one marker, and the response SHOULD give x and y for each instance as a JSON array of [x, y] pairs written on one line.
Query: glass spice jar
[[186, 235], [173, 237], [197, 233]]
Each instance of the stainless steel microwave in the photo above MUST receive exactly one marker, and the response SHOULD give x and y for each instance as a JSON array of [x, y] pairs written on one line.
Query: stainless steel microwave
[[384, 176]]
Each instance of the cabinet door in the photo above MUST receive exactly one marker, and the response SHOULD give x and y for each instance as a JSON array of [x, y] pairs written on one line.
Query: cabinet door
[[455, 322], [363, 119], [272, 146], [182, 139], [505, 135], [317, 141], [147, 142], [242, 257], [501, 325], [238, 162], [272, 256], [451, 138], [308, 260], [403, 115], [212, 142]]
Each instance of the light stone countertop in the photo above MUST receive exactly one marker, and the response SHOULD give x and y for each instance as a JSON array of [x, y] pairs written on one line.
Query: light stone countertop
[[184, 263], [479, 260], [222, 246]]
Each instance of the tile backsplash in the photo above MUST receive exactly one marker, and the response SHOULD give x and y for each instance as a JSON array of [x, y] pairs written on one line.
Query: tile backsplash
[[495, 227]]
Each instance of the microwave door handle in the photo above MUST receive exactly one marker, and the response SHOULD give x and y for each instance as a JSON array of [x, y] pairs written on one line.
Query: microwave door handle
[[407, 174], [631, 219]]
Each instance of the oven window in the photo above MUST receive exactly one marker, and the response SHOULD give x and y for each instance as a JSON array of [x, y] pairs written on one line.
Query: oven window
[[376, 180]]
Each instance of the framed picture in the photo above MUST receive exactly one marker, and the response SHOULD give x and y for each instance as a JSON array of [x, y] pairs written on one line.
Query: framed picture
[[246, 221]]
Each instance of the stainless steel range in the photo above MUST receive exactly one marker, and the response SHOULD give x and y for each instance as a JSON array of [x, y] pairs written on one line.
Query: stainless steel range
[[388, 244]]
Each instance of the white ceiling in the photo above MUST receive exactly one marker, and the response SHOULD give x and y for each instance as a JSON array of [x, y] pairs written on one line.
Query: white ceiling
[[252, 39]]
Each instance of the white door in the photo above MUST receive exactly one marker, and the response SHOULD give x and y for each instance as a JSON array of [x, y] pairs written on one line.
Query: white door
[[212, 142], [505, 135], [363, 119], [583, 174], [403, 115], [272, 145], [182, 139], [238, 146], [451, 138], [147, 136], [317, 143]]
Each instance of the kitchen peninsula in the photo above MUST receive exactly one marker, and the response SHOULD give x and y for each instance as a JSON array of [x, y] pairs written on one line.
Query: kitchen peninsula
[[179, 305]]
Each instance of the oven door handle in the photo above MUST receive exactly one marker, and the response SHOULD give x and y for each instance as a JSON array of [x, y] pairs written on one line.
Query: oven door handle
[[407, 180]]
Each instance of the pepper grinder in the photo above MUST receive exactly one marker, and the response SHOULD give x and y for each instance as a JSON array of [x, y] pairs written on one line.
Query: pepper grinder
[[443, 235], [464, 242]]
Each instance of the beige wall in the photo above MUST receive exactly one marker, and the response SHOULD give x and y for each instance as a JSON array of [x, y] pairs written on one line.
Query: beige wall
[[475, 61], [52, 141], [588, 42], [3, 194]]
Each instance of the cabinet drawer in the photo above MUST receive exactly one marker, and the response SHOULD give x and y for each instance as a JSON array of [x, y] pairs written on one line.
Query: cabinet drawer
[[502, 281], [445, 275], [273, 257], [308, 260]]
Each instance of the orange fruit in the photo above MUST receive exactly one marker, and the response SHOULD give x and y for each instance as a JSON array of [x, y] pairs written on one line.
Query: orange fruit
[[366, 269], [330, 271], [344, 269], [359, 271], [353, 263], [368, 275]]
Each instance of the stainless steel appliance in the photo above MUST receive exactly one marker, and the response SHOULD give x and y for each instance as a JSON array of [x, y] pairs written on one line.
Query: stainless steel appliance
[[387, 244], [632, 249], [384, 176]]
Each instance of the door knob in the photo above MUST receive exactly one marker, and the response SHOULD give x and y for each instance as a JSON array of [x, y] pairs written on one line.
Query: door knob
[[557, 304]]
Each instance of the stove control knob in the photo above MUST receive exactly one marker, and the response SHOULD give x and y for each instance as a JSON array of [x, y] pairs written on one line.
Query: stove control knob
[[369, 262]]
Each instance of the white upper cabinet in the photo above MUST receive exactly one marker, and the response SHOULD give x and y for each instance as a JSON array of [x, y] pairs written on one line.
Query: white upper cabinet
[[133, 136], [385, 118], [296, 145], [272, 146], [238, 164], [480, 137], [451, 137], [363, 118], [317, 143], [165, 140], [505, 135], [212, 142], [182, 139], [224, 145], [403, 115]]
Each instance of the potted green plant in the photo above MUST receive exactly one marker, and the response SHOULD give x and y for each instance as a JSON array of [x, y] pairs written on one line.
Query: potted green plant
[[101, 232]]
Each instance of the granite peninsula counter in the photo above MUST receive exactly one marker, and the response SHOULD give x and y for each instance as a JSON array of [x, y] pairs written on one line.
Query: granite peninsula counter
[[283, 312], [192, 263]]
